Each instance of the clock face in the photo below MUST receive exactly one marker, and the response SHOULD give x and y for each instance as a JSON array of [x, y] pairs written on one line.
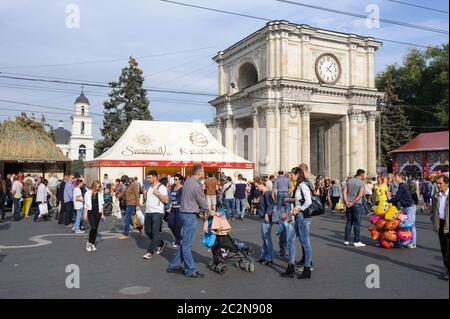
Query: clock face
[[328, 68]]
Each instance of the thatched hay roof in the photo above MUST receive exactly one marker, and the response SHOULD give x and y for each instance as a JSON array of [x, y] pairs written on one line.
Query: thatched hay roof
[[26, 140]]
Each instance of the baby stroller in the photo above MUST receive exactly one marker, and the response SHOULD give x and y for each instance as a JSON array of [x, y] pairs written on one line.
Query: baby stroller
[[108, 205], [225, 250]]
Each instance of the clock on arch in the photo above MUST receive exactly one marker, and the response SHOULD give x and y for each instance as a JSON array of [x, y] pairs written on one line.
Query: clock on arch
[[328, 68]]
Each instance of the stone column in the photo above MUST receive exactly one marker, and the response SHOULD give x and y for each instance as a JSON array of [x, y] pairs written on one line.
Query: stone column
[[270, 138], [306, 139], [219, 137], [284, 137], [299, 134], [371, 144], [353, 116], [229, 132], [256, 140]]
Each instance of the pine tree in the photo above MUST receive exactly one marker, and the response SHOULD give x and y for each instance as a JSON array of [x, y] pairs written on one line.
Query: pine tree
[[127, 101], [395, 129]]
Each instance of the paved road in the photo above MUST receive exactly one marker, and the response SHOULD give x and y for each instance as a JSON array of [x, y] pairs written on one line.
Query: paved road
[[36, 268]]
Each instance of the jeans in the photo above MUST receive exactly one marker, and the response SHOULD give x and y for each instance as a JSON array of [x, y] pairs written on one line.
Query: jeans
[[16, 202], [427, 198], [354, 214], [153, 223], [78, 219], [184, 252], [68, 212], [280, 199], [240, 207], [174, 223], [128, 214], [283, 242], [411, 212], [302, 224], [266, 235], [230, 212]]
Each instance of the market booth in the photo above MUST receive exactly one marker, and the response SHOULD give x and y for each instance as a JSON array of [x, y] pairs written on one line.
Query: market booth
[[168, 148]]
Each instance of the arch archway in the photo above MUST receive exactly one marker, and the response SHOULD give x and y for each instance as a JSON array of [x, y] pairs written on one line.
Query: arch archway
[[82, 152], [248, 75]]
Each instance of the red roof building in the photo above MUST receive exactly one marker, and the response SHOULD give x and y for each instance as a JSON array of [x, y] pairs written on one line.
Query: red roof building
[[424, 155]]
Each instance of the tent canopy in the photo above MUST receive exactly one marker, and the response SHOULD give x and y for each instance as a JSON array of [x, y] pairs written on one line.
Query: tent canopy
[[181, 144]]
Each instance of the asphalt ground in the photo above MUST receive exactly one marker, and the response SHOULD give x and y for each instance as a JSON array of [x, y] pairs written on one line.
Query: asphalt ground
[[34, 258]]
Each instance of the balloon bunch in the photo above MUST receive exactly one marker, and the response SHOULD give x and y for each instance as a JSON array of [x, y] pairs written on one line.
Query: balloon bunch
[[390, 227]]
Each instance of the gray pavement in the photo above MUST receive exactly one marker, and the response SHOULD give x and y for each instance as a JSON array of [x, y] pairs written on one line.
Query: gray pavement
[[34, 257]]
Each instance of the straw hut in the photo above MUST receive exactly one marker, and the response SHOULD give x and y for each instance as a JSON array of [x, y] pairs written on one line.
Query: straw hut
[[26, 146]]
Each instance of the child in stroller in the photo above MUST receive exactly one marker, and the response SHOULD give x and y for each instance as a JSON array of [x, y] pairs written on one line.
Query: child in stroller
[[108, 201], [225, 250]]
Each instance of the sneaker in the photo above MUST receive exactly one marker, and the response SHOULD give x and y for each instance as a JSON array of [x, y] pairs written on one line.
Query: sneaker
[[123, 237], [80, 231], [93, 247], [359, 244], [88, 247], [346, 243], [196, 275], [412, 246], [147, 256], [179, 270], [159, 250]]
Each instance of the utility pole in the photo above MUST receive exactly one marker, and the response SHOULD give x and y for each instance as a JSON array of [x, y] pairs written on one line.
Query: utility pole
[[381, 103]]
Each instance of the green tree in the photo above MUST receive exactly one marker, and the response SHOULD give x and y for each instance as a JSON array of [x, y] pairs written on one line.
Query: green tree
[[421, 82], [395, 128], [127, 101]]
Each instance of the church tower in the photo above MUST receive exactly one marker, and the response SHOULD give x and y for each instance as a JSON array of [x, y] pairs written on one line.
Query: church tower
[[82, 141]]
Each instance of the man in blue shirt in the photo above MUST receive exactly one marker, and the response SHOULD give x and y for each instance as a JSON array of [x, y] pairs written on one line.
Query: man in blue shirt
[[68, 201], [281, 189]]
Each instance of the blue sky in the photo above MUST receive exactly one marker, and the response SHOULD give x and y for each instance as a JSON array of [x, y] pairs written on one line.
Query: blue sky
[[34, 40]]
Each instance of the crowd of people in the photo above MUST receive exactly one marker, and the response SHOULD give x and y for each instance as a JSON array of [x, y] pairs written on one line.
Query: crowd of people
[[282, 203]]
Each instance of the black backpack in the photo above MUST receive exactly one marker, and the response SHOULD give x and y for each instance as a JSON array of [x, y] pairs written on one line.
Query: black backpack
[[316, 207]]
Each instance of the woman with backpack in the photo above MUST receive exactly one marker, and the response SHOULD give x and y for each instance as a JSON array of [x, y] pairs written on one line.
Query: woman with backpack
[[303, 200]]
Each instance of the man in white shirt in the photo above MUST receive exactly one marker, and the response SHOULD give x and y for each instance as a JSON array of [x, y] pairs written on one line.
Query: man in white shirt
[[16, 191], [440, 218], [78, 206], [53, 183], [106, 181], [156, 197], [42, 193], [229, 190]]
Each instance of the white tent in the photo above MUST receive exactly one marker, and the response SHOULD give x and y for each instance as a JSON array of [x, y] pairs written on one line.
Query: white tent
[[168, 147]]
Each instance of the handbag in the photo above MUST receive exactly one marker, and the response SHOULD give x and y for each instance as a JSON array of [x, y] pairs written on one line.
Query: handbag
[[43, 209], [316, 208], [209, 238]]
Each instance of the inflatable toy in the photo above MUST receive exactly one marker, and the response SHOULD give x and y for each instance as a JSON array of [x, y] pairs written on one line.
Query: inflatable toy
[[402, 217], [406, 225], [391, 213], [374, 219], [386, 243], [392, 224], [374, 233], [404, 234], [390, 235], [381, 209], [381, 223]]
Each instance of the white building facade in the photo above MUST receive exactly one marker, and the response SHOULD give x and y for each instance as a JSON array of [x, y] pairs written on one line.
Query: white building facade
[[291, 94], [79, 143]]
